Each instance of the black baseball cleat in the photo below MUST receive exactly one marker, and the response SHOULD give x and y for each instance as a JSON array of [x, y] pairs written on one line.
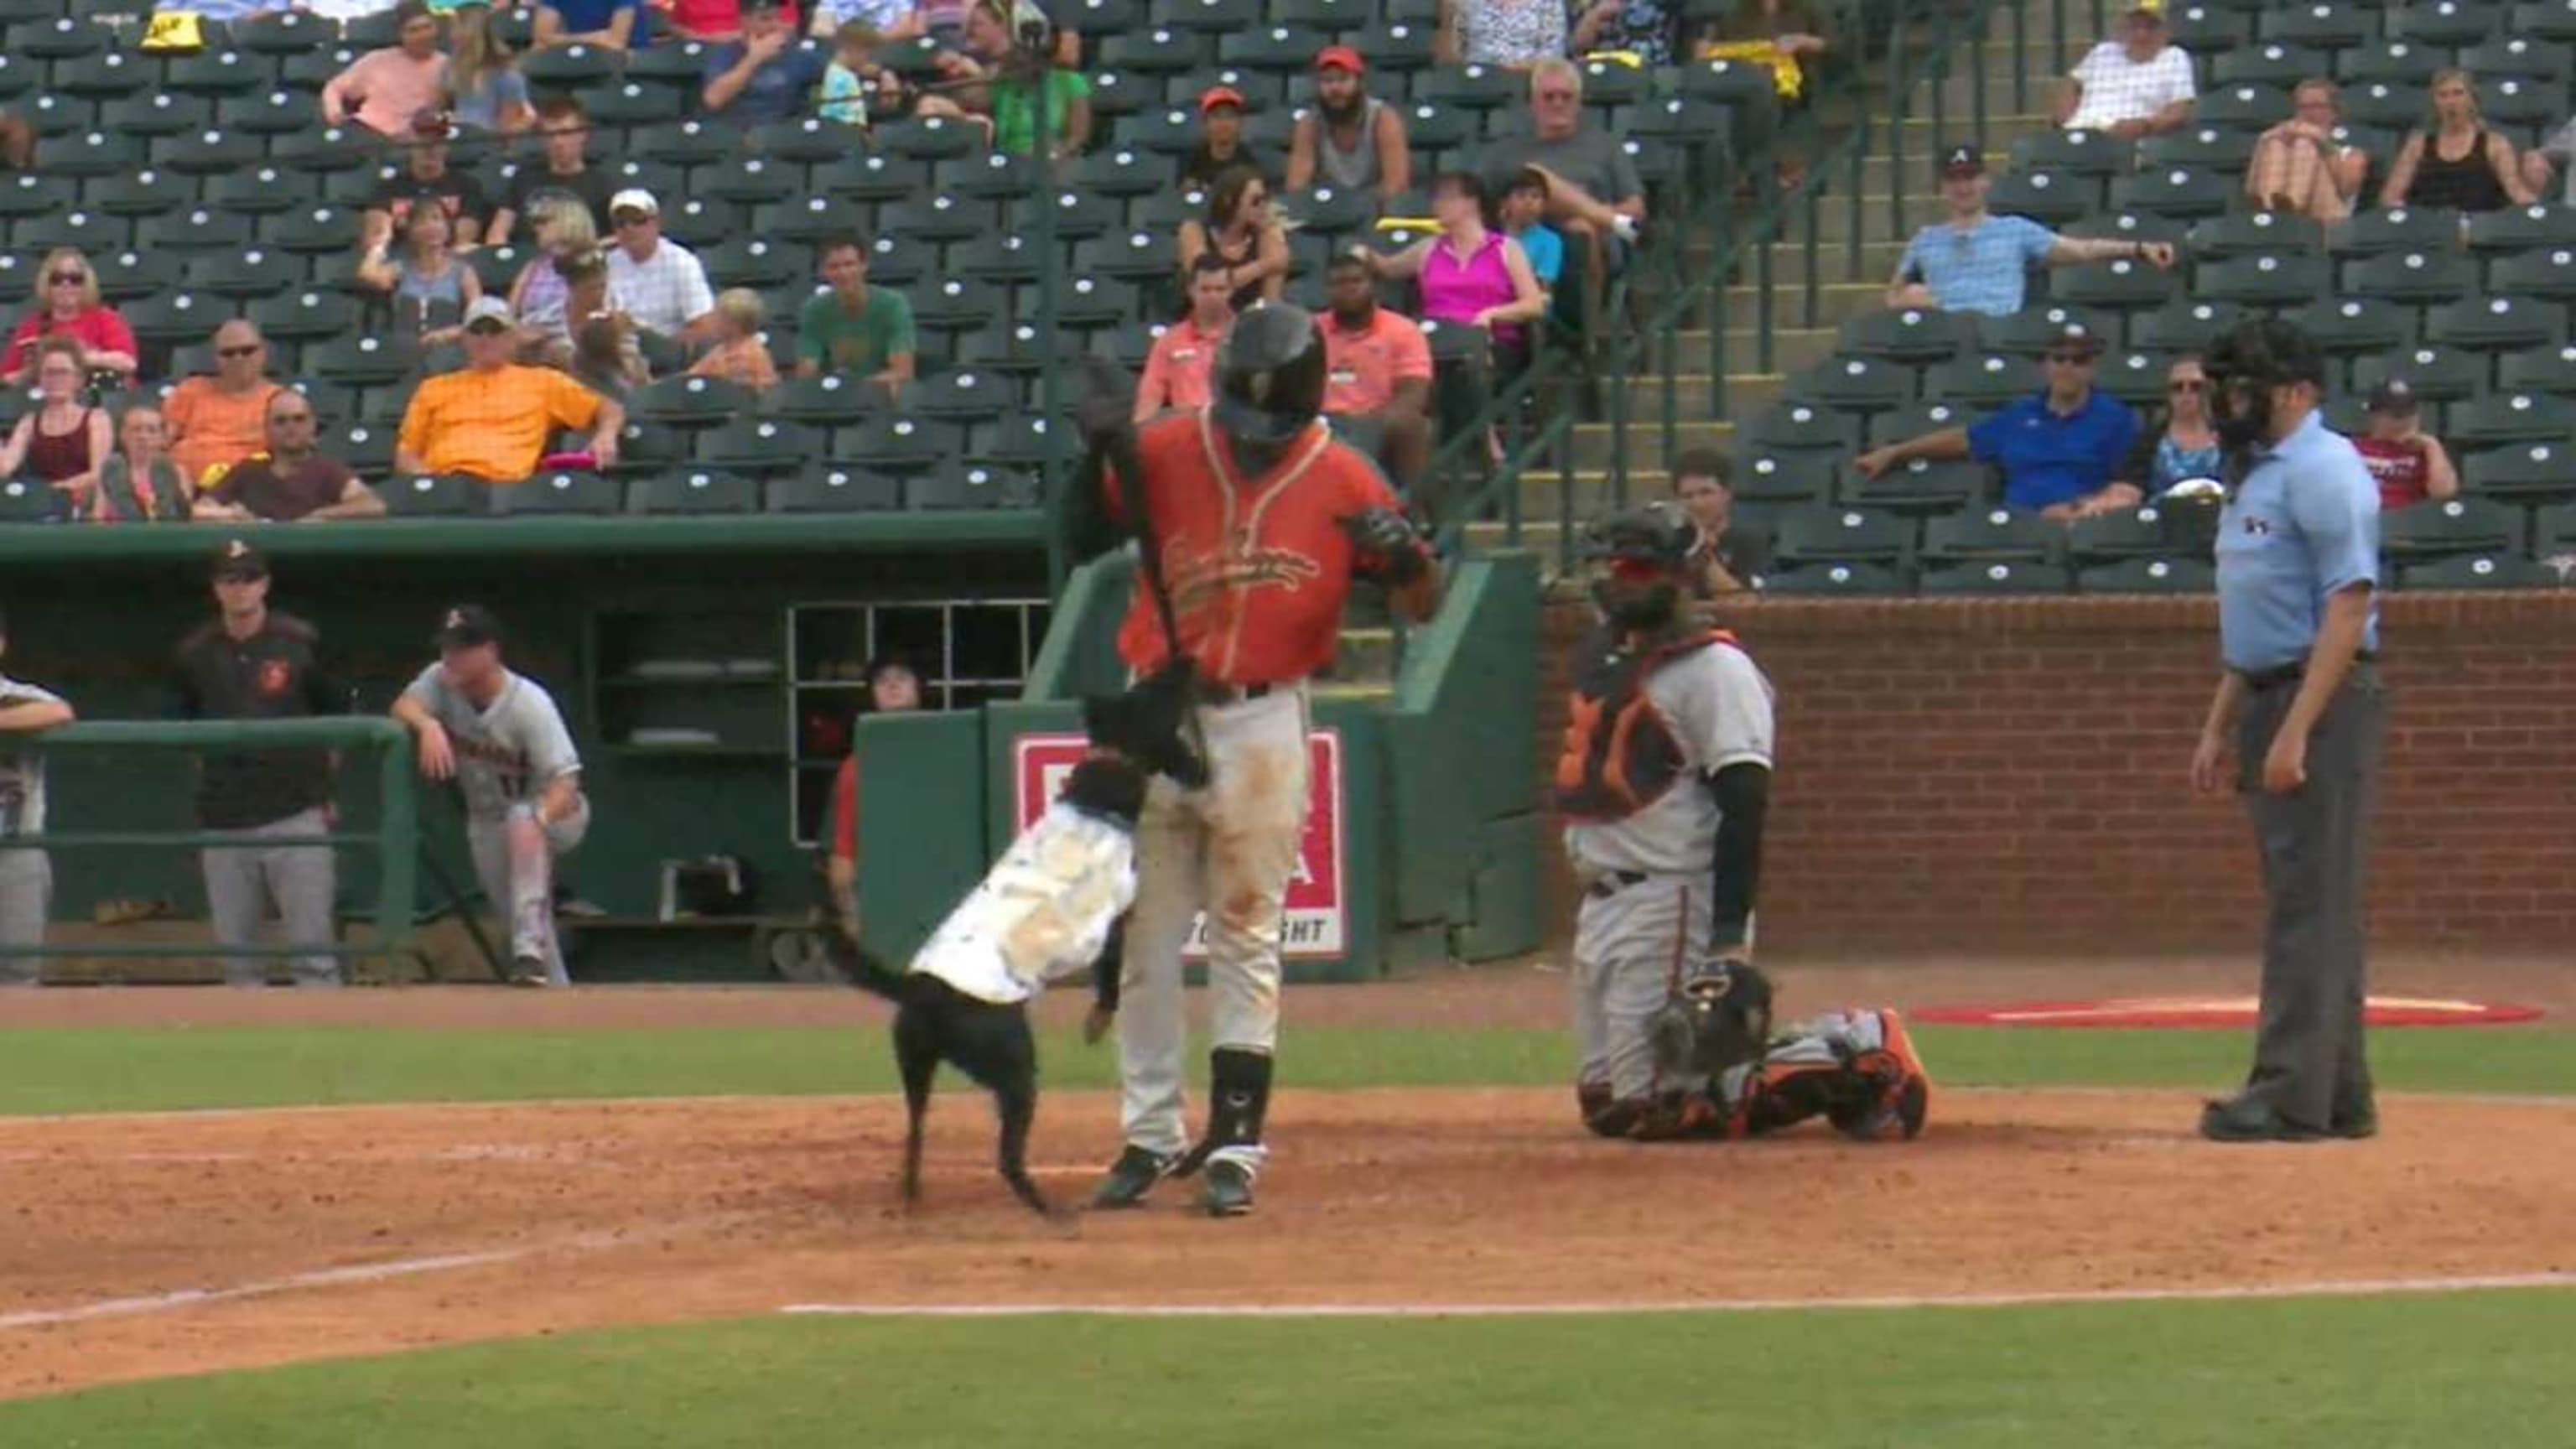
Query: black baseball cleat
[[1227, 1190], [528, 971], [2238, 1120], [1131, 1178], [2355, 1124]]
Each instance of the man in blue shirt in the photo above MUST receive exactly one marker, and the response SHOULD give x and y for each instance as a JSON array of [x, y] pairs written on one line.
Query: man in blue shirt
[[1976, 261], [2058, 447], [2298, 626], [765, 76], [606, 24]]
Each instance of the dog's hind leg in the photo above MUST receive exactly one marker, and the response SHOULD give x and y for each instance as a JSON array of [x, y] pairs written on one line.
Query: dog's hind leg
[[916, 1056]]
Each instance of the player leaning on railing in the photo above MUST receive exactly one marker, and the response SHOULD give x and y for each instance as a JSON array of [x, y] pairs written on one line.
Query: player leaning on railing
[[26, 876]]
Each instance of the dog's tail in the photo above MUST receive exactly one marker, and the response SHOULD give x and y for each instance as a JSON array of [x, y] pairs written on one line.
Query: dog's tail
[[864, 970]]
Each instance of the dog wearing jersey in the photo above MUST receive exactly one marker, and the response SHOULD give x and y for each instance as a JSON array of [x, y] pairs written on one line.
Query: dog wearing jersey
[[1664, 781]]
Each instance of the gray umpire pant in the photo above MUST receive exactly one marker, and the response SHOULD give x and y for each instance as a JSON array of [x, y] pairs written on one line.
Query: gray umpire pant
[[2309, 1063], [26, 897], [242, 880], [520, 884]]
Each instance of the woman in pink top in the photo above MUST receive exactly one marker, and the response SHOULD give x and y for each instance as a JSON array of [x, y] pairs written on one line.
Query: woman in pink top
[[1471, 275], [68, 307], [383, 89], [716, 19]]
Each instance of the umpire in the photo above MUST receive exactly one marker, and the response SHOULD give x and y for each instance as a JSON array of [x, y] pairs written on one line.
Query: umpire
[[2298, 570], [251, 663]]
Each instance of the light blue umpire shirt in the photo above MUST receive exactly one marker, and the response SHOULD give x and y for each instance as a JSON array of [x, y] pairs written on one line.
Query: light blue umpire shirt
[[2303, 526]]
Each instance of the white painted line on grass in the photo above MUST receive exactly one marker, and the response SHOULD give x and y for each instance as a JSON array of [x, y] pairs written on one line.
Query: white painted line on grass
[[319, 1278], [2358, 1288]]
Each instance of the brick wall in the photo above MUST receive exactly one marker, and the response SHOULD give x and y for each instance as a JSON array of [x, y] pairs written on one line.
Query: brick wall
[[2005, 776]]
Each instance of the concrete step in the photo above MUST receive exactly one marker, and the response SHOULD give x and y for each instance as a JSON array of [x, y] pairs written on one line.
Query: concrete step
[[1834, 263], [1590, 443], [1836, 303], [1367, 655]]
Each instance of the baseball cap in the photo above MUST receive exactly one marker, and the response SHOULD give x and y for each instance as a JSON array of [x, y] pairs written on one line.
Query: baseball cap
[[2152, 9], [1215, 96], [2395, 397], [465, 626], [1963, 161], [488, 308], [2076, 337], [429, 123], [634, 198], [1340, 55], [238, 560]]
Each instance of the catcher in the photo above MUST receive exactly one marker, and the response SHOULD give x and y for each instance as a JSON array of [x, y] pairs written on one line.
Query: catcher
[[1665, 780]]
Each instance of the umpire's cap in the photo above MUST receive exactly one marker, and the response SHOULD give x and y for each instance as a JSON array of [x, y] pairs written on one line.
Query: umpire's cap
[[1651, 533], [1270, 374], [467, 626], [2267, 352]]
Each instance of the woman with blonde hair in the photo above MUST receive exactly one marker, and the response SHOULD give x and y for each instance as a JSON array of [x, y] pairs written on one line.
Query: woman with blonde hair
[[68, 306], [426, 280], [740, 356], [2299, 168], [485, 90], [2455, 161], [540, 294]]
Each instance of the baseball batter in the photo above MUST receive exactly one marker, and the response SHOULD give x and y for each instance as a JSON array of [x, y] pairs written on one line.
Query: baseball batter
[[26, 876], [1261, 522], [1665, 780], [499, 733]]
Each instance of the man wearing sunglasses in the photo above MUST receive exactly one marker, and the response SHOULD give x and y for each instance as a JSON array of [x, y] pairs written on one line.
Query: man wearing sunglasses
[[2058, 448], [492, 420], [655, 281], [216, 422], [1976, 261], [292, 482]]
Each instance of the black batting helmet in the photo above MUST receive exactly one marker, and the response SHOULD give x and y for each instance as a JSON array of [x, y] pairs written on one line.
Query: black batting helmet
[[1270, 375], [1651, 533]]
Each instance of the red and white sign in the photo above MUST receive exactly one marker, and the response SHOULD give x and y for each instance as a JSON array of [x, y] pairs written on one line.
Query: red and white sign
[[1317, 921]]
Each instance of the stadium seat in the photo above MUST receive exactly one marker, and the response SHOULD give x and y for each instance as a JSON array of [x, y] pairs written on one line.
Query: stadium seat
[[2350, 326], [264, 190], [809, 220], [997, 257], [156, 113], [1767, 477], [1334, 17], [936, 217], [2401, 61], [570, 68], [27, 501], [2549, 370], [2223, 149], [2385, 105], [2544, 58], [93, 153], [2147, 575], [240, 275], [1075, 216], [2250, 234], [170, 317], [2178, 191], [2544, 20], [367, 448], [1829, 579], [1854, 385], [2497, 419], [1089, 304], [1927, 417], [2420, 279], [2184, 325], [549, 494], [1982, 382], [2125, 533], [284, 32], [828, 401], [2395, 229], [1797, 427], [2125, 285], [2523, 473], [897, 442], [963, 485], [2522, 228], [2269, 63], [1831, 534], [1439, 128], [2463, 525], [2553, 534], [228, 75], [2243, 107], [2051, 198], [759, 447], [2030, 332], [2134, 376], [694, 491], [2446, 24], [1125, 171], [1402, 47], [1102, 17], [1117, 93], [897, 262], [754, 262], [2075, 153], [1019, 440], [756, 180], [304, 314], [1137, 256], [1993, 576], [2325, 26], [104, 75], [1918, 488], [2264, 281], [1275, 48], [2479, 571], [2437, 374], [1910, 336], [2496, 324], [681, 66], [89, 231], [804, 141], [2517, 102], [2547, 274], [1160, 50], [962, 396], [2210, 29], [835, 488], [328, 151], [690, 403], [128, 277], [450, 495]]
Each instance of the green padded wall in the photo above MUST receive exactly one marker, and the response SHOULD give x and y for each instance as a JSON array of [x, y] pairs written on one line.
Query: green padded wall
[[922, 824]]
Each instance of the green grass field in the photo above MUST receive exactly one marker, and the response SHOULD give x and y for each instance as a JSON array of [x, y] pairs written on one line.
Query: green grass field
[[2353, 1373]]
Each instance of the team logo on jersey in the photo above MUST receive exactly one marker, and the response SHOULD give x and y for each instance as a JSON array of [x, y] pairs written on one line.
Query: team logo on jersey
[[274, 677], [1197, 579]]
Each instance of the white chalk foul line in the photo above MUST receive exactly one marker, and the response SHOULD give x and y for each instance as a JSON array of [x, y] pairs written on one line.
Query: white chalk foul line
[[194, 1297], [2357, 1288]]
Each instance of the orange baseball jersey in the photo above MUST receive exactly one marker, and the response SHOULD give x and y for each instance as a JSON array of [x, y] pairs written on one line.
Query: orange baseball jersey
[[1258, 568]]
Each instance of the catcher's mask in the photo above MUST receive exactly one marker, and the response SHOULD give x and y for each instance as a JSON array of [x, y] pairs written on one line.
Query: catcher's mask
[[1269, 377], [2247, 366], [1718, 1018], [1643, 553]]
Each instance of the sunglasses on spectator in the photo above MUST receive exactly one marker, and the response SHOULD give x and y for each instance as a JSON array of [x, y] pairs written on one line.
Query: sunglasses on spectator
[[2070, 359], [248, 349], [2187, 385], [486, 327], [631, 218], [68, 279], [305, 419]]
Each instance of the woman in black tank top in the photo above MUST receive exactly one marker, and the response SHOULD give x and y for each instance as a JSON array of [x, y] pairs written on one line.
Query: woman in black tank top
[[2455, 161]]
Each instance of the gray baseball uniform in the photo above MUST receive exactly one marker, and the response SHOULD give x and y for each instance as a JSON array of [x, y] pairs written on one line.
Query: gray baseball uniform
[[1646, 876], [506, 757], [26, 876]]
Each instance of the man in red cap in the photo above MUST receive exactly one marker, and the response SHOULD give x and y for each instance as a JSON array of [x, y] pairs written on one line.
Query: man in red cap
[[1351, 139], [1220, 145]]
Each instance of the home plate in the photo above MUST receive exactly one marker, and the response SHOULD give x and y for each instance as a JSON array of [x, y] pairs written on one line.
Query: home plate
[[2217, 1011]]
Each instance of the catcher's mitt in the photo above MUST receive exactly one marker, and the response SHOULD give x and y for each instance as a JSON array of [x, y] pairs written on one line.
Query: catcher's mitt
[[1719, 1017]]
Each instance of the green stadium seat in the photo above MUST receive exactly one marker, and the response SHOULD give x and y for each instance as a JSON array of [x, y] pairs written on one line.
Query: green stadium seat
[[1471, 87], [1088, 304], [1919, 489], [2269, 63], [2385, 105], [2210, 29], [365, 447], [313, 69], [835, 488], [694, 491], [2051, 198], [1401, 47], [1160, 50], [2134, 376], [1799, 427], [1136, 256], [2173, 191], [2074, 153], [303, 314], [570, 68], [2396, 229], [2537, 58], [805, 141], [241, 275], [2523, 228], [700, 222], [998, 257], [284, 32], [1116, 93], [2030, 332], [2184, 325], [1993, 576], [691, 403], [2349, 326], [2264, 281], [759, 447], [1207, 17], [1854, 385], [2496, 324], [962, 396], [631, 105], [1021, 440], [1337, 17], [228, 75], [106, 75], [2544, 274], [2549, 370], [26, 501], [828, 401], [371, 31], [156, 113], [263, 190], [26, 194], [2519, 101], [2401, 61], [1832, 579], [2223, 149], [1926, 417], [210, 152], [2324, 26], [2437, 374], [1278, 48], [92, 153], [1124, 171], [1910, 336], [811, 220], [2147, 575], [2250, 234], [2478, 571], [2242, 107], [1831, 534], [19, 76], [2127, 533], [560, 494], [757, 180], [2523, 473], [451, 495], [2497, 419], [681, 65], [1982, 382], [89, 231], [897, 442], [2446, 24], [1766, 477], [1101, 17], [2462, 525], [328, 151], [955, 486], [170, 317], [129, 276], [755, 262], [2419, 279]]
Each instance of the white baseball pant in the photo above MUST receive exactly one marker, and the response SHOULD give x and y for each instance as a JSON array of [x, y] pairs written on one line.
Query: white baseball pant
[[303, 880], [1630, 947], [514, 858], [26, 897]]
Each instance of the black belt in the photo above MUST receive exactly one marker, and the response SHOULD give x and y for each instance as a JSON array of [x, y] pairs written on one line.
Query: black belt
[[2263, 680], [1614, 882], [1218, 692]]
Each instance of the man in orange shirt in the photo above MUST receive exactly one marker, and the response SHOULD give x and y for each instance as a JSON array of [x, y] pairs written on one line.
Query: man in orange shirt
[[217, 421], [1260, 522], [491, 421], [1377, 386], [1176, 372]]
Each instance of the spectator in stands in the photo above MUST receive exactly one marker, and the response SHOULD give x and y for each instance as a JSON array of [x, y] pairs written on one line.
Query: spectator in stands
[[384, 89], [716, 21], [69, 307], [1787, 36], [854, 79], [17, 143], [741, 354], [64, 440], [565, 172], [217, 421], [1594, 195], [2539, 164], [138, 483], [493, 419], [1240, 231], [2409, 464], [420, 272], [1184, 357], [2299, 168], [2058, 447], [484, 88], [2138, 85], [2455, 162], [1511, 33], [893, 687], [1724, 558], [605, 360], [1470, 275], [292, 482], [941, 20], [1976, 261], [658, 283], [590, 340], [608, 24], [852, 328], [1377, 385], [541, 295], [2183, 447], [427, 180], [1021, 73], [1220, 147], [1350, 139], [1646, 29], [767, 75], [1524, 203]]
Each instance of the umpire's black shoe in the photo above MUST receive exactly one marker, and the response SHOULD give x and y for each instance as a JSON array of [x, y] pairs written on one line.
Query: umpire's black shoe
[[1131, 1177], [2238, 1120], [1227, 1192], [2355, 1124]]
